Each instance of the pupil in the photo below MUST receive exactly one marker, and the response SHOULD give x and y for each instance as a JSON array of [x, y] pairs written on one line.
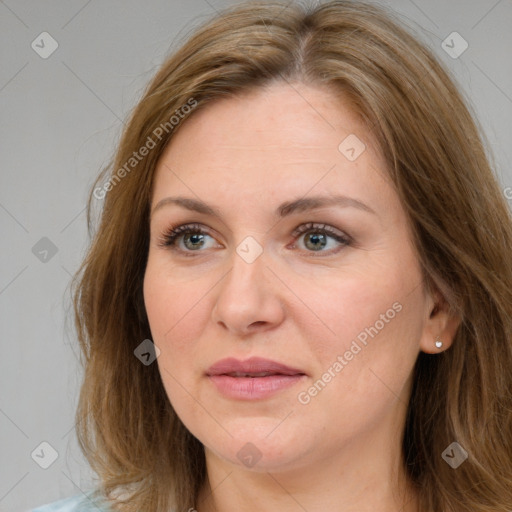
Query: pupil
[[315, 239], [194, 238]]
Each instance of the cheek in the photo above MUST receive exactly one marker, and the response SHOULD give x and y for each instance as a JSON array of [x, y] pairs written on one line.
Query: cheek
[[367, 371], [175, 309], [364, 337], [175, 312], [341, 309]]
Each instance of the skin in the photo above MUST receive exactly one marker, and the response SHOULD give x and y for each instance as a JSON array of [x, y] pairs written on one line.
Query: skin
[[297, 303]]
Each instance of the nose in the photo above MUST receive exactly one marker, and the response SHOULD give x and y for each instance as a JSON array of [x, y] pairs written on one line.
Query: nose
[[249, 298]]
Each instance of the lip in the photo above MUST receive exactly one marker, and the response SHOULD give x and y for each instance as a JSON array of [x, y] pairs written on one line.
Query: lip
[[244, 380], [251, 365]]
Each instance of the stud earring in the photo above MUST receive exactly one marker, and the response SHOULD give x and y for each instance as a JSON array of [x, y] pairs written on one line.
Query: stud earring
[[439, 343]]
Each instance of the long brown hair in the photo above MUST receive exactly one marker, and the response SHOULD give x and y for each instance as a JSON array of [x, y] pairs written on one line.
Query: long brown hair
[[462, 229]]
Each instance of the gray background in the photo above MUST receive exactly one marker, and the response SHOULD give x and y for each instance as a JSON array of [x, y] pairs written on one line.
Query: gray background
[[61, 117]]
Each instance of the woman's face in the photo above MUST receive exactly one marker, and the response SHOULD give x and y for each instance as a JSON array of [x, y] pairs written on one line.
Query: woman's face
[[290, 315]]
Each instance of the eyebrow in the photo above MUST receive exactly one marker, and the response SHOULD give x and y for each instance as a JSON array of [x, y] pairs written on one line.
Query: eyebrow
[[287, 208]]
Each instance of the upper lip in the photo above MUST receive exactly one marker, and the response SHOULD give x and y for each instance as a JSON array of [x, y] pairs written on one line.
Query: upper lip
[[251, 366]]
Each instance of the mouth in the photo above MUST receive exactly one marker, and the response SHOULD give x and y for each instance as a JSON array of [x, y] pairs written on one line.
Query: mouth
[[254, 367], [252, 375], [252, 379]]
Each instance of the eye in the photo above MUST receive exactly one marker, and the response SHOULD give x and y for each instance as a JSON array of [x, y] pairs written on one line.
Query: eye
[[191, 236], [316, 237]]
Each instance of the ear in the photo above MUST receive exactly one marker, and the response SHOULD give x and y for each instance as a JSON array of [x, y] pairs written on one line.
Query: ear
[[441, 324]]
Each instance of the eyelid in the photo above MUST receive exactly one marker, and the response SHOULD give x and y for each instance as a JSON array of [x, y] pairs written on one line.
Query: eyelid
[[320, 226], [173, 233], [343, 239]]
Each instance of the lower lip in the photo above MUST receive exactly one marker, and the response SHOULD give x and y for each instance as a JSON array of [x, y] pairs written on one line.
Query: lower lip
[[253, 388]]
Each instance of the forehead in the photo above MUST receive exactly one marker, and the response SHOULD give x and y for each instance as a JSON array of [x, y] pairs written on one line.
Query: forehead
[[282, 140], [282, 117]]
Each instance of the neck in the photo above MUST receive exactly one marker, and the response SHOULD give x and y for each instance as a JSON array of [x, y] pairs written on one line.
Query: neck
[[364, 476]]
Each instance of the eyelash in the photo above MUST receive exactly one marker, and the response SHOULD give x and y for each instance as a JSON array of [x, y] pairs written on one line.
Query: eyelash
[[170, 237]]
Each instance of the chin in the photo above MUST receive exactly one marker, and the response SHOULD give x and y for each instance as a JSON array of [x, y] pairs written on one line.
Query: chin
[[259, 444]]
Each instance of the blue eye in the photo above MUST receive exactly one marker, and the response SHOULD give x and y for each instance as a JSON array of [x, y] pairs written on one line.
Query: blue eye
[[316, 237], [192, 235], [189, 238]]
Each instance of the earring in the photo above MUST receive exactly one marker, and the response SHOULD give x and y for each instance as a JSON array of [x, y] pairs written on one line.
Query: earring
[[439, 343]]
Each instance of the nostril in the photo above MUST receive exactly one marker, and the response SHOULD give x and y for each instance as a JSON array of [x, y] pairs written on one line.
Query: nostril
[[258, 323]]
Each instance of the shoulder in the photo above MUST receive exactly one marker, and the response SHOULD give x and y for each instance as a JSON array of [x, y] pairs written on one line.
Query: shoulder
[[77, 503]]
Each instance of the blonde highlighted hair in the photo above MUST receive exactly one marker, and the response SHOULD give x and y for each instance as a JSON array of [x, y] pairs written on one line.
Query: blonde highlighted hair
[[462, 230]]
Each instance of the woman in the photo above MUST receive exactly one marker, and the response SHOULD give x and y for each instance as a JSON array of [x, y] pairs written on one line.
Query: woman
[[299, 295]]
